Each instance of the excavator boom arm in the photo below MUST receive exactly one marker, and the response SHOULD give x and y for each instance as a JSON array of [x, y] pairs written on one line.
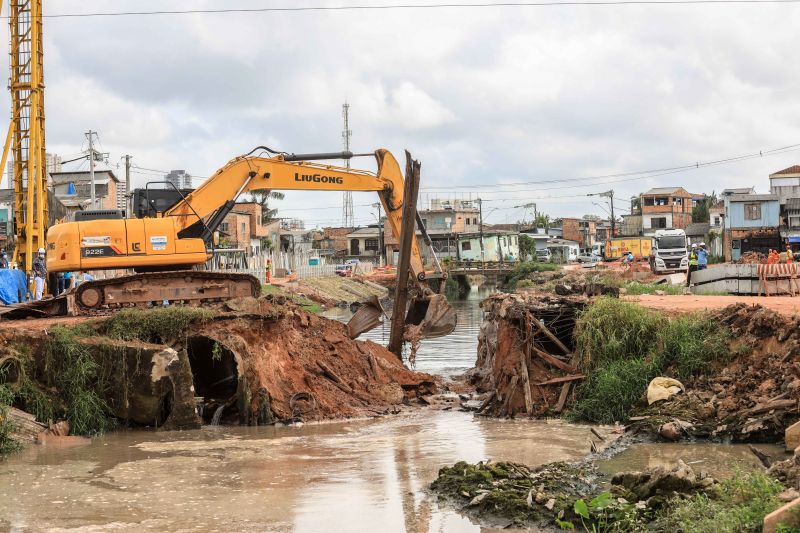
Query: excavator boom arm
[[247, 173]]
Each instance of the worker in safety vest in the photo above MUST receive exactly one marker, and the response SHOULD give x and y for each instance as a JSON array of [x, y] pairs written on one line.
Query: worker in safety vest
[[692, 264], [789, 254]]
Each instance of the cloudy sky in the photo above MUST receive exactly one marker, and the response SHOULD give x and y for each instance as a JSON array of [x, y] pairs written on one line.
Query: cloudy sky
[[485, 97]]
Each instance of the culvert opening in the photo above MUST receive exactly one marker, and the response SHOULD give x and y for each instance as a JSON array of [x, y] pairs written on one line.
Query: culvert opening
[[216, 380]]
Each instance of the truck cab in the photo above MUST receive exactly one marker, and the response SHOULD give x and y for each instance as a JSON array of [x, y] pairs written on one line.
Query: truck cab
[[669, 252]]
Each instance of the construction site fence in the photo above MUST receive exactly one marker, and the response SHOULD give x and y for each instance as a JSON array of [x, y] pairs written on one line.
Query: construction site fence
[[284, 264]]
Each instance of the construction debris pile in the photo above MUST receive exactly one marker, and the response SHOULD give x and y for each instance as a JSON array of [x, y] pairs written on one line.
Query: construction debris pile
[[754, 396], [253, 362], [751, 258], [526, 362]]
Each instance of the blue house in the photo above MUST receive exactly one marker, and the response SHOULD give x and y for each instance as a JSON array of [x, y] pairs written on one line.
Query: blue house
[[751, 224]]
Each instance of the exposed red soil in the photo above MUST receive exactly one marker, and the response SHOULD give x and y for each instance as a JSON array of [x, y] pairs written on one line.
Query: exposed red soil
[[285, 350], [785, 305]]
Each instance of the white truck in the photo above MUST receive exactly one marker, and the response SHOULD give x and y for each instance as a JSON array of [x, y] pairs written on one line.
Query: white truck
[[669, 252]]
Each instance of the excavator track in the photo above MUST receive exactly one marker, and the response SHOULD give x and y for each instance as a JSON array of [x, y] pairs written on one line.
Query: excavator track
[[182, 286]]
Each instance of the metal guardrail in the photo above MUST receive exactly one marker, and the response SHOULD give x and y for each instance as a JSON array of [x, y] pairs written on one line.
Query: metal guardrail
[[478, 266]]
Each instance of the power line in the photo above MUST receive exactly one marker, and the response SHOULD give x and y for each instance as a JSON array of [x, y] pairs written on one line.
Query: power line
[[384, 7], [642, 174]]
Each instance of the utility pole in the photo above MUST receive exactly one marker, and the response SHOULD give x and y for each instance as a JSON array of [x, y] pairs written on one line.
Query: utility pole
[[610, 195], [381, 247], [128, 199], [90, 134], [480, 226]]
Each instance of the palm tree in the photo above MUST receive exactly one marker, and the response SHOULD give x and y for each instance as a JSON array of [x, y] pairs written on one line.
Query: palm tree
[[262, 197], [542, 220]]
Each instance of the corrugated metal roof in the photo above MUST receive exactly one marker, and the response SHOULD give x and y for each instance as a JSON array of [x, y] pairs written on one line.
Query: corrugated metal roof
[[794, 169], [738, 190], [793, 203], [753, 197], [663, 190], [80, 175]]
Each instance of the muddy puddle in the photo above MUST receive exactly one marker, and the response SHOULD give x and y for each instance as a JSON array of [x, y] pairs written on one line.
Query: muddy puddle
[[719, 460], [347, 476], [445, 356]]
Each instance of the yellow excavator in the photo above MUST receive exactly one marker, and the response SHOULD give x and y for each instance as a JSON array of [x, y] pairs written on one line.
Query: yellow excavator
[[166, 250]]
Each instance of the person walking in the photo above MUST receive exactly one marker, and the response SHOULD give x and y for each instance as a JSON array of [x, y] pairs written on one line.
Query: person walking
[[39, 274], [692, 265], [702, 257], [789, 254], [3, 259]]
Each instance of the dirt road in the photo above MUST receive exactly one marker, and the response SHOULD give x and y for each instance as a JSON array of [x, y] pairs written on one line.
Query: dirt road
[[690, 302]]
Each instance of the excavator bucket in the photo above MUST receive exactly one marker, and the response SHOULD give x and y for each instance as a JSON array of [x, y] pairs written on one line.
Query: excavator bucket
[[366, 318], [434, 315]]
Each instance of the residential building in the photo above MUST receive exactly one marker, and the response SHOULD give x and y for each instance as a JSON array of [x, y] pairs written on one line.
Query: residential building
[[264, 234], [335, 240], [179, 178], [73, 189], [564, 250], [631, 225], [785, 183], [364, 243], [667, 207], [751, 224], [451, 216], [497, 246], [292, 224], [52, 162], [715, 215], [234, 231], [122, 198], [580, 230]]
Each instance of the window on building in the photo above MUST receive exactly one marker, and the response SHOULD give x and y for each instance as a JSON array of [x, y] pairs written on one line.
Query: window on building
[[794, 221], [371, 244], [223, 227], [658, 223], [717, 221], [244, 228], [465, 246], [752, 211]]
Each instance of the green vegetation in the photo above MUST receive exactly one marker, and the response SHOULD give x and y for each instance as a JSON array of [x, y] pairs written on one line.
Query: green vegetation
[[605, 513], [160, 325], [301, 300], [522, 270], [623, 346], [737, 505], [78, 380], [7, 445]]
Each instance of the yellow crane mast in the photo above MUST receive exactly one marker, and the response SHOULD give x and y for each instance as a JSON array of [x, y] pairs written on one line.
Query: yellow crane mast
[[25, 139]]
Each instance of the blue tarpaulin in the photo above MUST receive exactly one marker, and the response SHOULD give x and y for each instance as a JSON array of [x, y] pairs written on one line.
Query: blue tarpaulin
[[12, 284], [794, 240]]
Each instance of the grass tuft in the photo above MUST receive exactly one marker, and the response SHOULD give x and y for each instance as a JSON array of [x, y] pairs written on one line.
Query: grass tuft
[[623, 346], [161, 325], [737, 505], [522, 270]]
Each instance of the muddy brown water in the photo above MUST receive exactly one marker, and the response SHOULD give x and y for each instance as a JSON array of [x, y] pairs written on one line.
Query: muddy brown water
[[447, 356], [369, 475]]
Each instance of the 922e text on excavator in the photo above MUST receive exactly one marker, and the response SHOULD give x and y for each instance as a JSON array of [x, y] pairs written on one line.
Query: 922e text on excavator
[[166, 252]]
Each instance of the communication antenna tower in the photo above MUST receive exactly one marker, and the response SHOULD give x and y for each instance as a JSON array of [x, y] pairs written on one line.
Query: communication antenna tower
[[348, 220]]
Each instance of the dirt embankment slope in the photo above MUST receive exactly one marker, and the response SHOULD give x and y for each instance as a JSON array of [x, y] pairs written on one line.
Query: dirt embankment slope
[[785, 305]]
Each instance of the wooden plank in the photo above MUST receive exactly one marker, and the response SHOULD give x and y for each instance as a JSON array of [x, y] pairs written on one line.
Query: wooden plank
[[526, 384], [542, 328], [558, 363], [563, 379], [512, 389], [486, 402], [562, 398]]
